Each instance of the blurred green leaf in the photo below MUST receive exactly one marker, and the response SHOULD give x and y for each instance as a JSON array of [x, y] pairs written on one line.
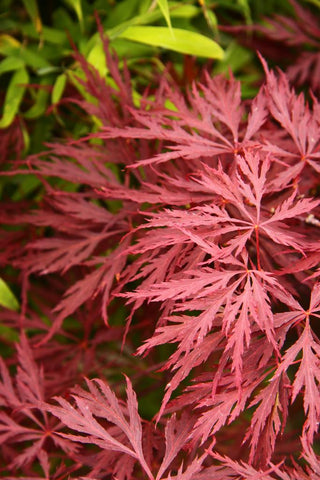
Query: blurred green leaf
[[244, 4], [40, 105], [235, 57], [121, 12], [9, 334], [25, 185], [10, 63], [7, 43], [49, 34], [314, 2], [47, 70], [163, 5], [144, 5], [7, 298], [126, 49], [32, 59], [183, 11], [77, 7], [210, 17], [14, 96], [10, 47], [58, 88], [187, 42], [63, 21], [32, 8], [97, 58], [26, 139]]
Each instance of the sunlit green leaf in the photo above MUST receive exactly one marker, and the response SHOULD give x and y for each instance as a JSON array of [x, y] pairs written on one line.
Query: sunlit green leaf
[[187, 42], [7, 298], [176, 10]]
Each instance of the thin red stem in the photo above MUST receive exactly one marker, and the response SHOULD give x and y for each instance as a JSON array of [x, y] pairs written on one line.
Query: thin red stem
[[258, 247]]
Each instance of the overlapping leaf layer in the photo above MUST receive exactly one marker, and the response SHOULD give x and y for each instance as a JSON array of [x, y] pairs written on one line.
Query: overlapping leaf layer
[[201, 212]]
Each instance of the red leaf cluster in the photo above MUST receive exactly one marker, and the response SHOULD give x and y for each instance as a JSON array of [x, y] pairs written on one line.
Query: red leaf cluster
[[205, 217]]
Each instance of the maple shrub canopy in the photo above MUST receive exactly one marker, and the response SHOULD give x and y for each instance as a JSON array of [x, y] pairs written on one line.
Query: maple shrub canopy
[[168, 271]]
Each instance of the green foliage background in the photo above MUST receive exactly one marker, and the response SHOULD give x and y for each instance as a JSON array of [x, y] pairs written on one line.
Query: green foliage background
[[35, 47]]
